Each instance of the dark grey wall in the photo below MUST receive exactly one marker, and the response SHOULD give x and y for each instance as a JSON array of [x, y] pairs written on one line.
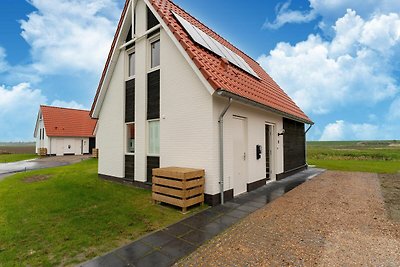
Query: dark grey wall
[[293, 145], [153, 95], [130, 167], [152, 163], [130, 101]]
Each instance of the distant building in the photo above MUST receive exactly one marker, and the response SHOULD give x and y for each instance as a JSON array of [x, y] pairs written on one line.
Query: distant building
[[175, 93], [64, 131]]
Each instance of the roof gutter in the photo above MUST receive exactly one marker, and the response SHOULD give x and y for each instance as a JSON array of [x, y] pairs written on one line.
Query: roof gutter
[[244, 100], [221, 149]]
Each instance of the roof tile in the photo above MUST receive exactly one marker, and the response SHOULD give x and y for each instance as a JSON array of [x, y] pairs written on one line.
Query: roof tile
[[65, 122]]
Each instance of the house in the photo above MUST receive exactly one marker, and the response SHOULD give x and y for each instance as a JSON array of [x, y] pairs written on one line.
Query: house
[[64, 131], [175, 93]]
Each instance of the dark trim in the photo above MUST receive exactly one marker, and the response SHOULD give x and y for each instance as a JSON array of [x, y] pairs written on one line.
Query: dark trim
[[214, 200], [69, 154], [283, 175], [254, 185], [125, 181]]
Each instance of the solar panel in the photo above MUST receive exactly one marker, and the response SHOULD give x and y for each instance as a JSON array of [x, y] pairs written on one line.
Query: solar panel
[[214, 46]]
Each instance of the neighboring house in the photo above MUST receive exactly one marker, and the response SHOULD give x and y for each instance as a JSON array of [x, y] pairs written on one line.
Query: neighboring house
[[175, 93], [64, 131]]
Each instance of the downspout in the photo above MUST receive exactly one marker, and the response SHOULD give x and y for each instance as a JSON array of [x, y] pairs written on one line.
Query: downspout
[[305, 143], [221, 149]]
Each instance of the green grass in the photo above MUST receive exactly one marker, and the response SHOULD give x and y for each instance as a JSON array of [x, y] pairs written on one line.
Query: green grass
[[364, 156], [6, 158], [72, 216]]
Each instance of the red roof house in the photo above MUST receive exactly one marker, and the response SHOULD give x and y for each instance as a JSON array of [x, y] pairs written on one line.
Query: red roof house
[[64, 130], [173, 92]]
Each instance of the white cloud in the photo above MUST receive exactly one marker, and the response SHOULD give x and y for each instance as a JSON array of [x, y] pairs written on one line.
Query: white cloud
[[70, 35], [330, 10], [351, 68], [3, 62], [18, 109], [341, 130], [286, 16], [64, 104]]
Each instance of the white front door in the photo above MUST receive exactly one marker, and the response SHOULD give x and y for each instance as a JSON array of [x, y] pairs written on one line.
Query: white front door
[[239, 155]]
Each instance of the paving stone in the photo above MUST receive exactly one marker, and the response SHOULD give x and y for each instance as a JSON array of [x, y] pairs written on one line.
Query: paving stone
[[157, 239], [215, 228], [134, 251], [227, 220], [231, 205], [177, 229], [177, 248], [197, 221], [197, 237], [221, 209], [247, 208], [154, 259], [257, 204], [107, 260], [238, 213]]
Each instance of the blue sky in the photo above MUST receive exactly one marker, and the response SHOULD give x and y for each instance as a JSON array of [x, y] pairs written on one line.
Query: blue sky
[[339, 60]]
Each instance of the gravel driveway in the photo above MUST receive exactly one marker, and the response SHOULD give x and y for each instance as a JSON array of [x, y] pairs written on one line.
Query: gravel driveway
[[336, 219]]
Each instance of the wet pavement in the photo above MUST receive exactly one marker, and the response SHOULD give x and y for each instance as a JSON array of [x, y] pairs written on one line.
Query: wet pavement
[[167, 246], [7, 169]]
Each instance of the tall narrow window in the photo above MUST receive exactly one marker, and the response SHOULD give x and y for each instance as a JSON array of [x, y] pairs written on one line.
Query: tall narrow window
[[154, 137], [132, 60], [130, 138], [155, 54]]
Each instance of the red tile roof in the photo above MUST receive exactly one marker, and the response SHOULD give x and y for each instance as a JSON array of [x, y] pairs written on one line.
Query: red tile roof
[[67, 122], [264, 91]]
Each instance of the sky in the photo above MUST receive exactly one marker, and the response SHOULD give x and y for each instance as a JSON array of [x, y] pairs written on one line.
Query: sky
[[339, 60]]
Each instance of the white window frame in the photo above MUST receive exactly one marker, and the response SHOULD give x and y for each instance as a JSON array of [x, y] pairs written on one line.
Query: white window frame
[[127, 63], [148, 137], [126, 138], [151, 40]]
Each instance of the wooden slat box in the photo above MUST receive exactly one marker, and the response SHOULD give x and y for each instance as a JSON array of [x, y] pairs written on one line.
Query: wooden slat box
[[182, 187]]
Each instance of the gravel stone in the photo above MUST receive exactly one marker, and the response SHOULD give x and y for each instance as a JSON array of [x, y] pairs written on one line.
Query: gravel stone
[[335, 219]]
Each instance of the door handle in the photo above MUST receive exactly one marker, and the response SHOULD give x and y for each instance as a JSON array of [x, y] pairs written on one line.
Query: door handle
[[244, 156]]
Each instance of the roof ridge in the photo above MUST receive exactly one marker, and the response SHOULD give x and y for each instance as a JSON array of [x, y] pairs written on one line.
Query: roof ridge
[[77, 109]]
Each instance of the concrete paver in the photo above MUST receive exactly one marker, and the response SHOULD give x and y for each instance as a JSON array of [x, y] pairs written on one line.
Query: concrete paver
[[167, 246]]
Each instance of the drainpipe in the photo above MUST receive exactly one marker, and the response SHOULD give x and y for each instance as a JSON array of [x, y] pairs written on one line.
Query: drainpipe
[[221, 149], [305, 143]]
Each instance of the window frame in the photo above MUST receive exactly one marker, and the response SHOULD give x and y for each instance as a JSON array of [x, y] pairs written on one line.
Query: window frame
[[150, 41], [148, 138], [128, 53], [126, 139]]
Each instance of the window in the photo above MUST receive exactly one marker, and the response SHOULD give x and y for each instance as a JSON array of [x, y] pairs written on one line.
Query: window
[[154, 137], [155, 54], [130, 135], [131, 66]]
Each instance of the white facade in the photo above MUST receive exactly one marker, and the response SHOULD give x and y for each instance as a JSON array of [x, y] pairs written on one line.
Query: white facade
[[59, 146], [189, 113]]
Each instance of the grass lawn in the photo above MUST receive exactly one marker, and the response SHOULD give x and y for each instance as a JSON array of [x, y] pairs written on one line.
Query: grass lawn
[[364, 156], [66, 215], [6, 158]]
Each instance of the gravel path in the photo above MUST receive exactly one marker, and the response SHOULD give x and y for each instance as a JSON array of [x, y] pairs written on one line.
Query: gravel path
[[336, 219]]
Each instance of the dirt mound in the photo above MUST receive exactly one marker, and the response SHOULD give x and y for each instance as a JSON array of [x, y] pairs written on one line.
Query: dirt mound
[[36, 178]]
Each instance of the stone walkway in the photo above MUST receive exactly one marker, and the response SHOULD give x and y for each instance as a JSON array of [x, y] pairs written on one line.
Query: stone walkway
[[167, 246]]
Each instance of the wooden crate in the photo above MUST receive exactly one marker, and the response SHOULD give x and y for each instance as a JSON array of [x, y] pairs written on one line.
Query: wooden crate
[[182, 187], [42, 151], [95, 152]]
